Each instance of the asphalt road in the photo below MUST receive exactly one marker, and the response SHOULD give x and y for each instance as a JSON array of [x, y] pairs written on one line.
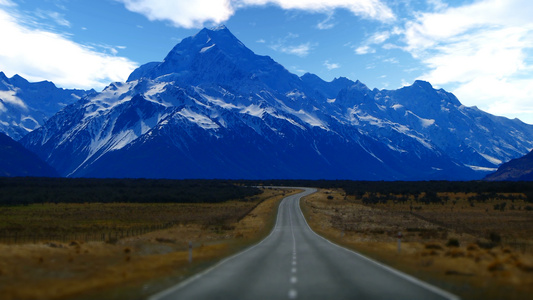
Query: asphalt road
[[293, 262]]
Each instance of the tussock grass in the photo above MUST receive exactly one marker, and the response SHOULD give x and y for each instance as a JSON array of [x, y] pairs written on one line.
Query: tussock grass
[[434, 246], [474, 251], [137, 266]]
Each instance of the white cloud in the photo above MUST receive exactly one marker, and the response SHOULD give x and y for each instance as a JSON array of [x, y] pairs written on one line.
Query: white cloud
[[372, 9], [299, 50], [297, 69], [11, 98], [379, 37], [190, 14], [285, 46], [7, 3], [376, 38], [501, 97], [326, 23], [432, 29], [183, 13], [437, 4], [481, 50], [497, 53], [331, 66], [364, 50], [55, 16], [391, 60], [42, 55]]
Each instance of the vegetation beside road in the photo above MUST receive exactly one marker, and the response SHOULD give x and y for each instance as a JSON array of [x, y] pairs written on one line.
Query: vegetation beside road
[[468, 243], [114, 236], [30, 190], [63, 209], [127, 267]]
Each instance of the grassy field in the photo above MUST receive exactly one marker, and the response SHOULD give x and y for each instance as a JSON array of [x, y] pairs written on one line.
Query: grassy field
[[111, 221], [122, 266], [473, 248], [478, 245]]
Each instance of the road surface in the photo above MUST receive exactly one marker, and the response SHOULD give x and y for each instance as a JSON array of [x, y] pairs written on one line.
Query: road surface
[[293, 262]]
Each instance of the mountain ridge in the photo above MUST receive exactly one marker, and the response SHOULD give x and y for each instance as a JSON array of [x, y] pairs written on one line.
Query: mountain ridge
[[212, 113], [518, 169], [24, 105]]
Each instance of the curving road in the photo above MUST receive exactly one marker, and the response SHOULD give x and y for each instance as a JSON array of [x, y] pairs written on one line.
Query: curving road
[[293, 262]]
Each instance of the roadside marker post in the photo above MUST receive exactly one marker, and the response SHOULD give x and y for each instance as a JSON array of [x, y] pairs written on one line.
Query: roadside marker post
[[400, 242], [190, 252]]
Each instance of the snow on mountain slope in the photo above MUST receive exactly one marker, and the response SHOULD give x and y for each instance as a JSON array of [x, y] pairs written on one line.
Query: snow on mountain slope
[[467, 134], [214, 109], [25, 106]]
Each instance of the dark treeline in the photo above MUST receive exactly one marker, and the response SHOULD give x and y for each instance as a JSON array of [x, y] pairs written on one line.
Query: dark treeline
[[24, 191], [358, 188]]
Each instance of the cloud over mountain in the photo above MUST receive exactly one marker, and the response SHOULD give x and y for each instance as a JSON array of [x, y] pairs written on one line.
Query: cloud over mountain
[[39, 54], [194, 14]]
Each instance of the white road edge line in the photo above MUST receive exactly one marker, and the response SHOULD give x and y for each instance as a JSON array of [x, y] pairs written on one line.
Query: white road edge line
[[405, 276], [186, 282]]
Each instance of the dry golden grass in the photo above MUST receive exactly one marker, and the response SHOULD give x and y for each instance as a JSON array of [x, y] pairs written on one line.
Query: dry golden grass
[[503, 272], [91, 221], [133, 267]]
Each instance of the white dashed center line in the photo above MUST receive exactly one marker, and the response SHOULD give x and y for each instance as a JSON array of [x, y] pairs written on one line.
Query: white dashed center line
[[294, 279], [293, 293]]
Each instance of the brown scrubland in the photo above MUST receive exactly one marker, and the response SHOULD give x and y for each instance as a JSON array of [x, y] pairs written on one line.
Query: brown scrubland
[[56, 245], [477, 248], [122, 266]]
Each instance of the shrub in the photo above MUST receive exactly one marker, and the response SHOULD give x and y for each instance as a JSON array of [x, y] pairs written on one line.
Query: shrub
[[455, 252], [434, 246], [524, 267], [495, 238], [486, 245], [165, 240], [112, 240], [453, 243], [500, 207], [472, 247], [496, 266]]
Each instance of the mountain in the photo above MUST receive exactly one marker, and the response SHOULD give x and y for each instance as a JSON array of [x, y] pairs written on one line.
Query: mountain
[[15, 160], [518, 169], [214, 109], [25, 106]]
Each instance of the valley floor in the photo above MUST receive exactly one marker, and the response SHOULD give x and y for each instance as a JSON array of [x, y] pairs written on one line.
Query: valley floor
[[137, 266], [475, 252]]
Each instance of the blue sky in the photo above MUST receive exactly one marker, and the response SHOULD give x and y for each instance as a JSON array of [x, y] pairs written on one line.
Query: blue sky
[[481, 50]]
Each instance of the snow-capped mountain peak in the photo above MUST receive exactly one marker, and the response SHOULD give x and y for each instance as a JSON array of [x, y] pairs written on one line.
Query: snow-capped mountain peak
[[216, 55], [213, 108]]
